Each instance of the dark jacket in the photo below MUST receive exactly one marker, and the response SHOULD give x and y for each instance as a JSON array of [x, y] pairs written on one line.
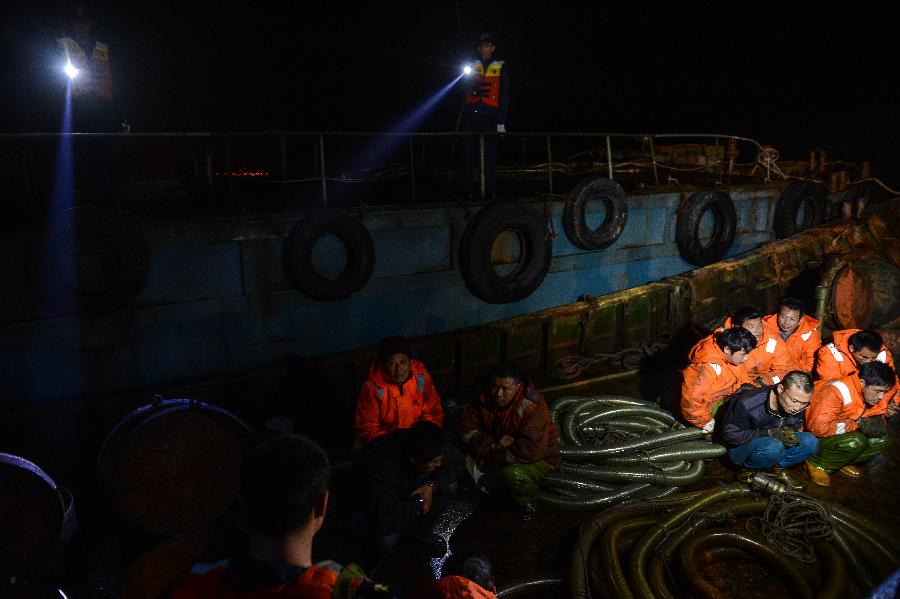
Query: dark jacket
[[385, 477], [748, 416]]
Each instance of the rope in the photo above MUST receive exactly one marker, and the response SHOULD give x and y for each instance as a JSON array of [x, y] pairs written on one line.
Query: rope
[[570, 367], [793, 522]]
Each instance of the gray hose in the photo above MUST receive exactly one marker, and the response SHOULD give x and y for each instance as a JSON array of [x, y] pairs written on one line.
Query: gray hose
[[698, 450], [530, 587], [687, 434], [557, 480], [591, 502]]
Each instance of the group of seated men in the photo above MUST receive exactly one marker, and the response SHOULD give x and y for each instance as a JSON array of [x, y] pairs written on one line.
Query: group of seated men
[[405, 472], [767, 389]]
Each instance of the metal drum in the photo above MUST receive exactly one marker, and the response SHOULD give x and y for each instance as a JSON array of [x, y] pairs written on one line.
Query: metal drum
[[173, 466], [32, 514], [862, 294]]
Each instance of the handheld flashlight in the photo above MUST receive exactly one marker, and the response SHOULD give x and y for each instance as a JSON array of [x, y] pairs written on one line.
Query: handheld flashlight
[[467, 70], [71, 70]]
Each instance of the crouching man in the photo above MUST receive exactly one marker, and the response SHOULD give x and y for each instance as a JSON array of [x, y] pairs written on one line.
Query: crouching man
[[763, 427], [847, 414]]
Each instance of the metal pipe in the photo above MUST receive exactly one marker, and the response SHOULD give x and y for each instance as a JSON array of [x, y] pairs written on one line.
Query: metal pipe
[[481, 159], [412, 170], [322, 171], [549, 168], [609, 157], [653, 158], [531, 587]]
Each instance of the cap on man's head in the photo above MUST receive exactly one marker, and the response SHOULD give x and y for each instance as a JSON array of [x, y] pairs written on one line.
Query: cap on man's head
[[80, 13], [485, 38], [390, 346]]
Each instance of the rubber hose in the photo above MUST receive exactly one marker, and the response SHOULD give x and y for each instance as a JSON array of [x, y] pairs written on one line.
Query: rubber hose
[[589, 532], [645, 473], [591, 502], [613, 575], [574, 420], [883, 545], [858, 570], [632, 444], [602, 472], [865, 547], [796, 582], [641, 552], [862, 522], [557, 480], [597, 564], [836, 585], [565, 403], [530, 587], [695, 450]]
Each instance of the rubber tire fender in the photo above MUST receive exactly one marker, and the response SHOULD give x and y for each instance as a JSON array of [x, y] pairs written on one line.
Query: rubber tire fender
[[126, 259], [575, 218], [475, 252], [296, 255], [687, 227], [797, 195]]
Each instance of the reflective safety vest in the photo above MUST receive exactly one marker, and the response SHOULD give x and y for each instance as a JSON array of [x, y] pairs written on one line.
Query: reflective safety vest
[[486, 88], [95, 77]]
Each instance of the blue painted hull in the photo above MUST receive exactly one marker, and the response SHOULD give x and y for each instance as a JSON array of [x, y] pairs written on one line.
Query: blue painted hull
[[216, 301]]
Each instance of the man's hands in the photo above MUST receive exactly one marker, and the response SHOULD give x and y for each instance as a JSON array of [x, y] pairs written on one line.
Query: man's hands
[[505, 441], [785, 434], [873, 426], [892, 409], [426, 492]]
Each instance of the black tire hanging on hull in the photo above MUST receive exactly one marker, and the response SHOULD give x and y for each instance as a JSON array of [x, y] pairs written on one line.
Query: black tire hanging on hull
[[297, 255], [475, 252], [799, 199], [575, 217], [687, 229]]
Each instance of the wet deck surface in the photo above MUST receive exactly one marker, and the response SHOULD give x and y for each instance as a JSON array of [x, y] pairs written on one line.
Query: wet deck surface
[[541, 548]]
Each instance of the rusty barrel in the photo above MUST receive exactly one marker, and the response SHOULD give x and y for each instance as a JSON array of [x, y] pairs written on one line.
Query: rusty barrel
[[36, 516], [173, 466], [864, 293]]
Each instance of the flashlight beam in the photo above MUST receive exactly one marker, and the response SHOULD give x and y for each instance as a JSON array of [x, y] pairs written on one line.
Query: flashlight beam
[[71, 70]]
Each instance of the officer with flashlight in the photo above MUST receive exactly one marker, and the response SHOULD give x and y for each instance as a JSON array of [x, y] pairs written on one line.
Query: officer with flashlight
[[485, 107], [86, 62]]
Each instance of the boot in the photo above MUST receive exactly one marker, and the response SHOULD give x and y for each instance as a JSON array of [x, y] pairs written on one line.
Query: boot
[[817, 475], [851, 470]]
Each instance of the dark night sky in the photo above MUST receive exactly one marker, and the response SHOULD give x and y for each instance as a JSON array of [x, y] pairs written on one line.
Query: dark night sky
[[793, 77]]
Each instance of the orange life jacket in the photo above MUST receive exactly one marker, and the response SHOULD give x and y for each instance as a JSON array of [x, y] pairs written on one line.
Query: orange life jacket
[[383, 406], [837, 405], [834, 360], [315, 582], [799, 349], [452, 587], [486, 88], [97, 77], [708, 380], [767, 361]]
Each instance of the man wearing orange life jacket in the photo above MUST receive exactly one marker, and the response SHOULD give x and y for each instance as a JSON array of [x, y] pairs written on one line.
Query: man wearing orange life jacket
[[847, 414], [284, 496], [764, 363], [462, 577], [398, 393], [715, 372], [850, 348], [485, 109], [798, 332]]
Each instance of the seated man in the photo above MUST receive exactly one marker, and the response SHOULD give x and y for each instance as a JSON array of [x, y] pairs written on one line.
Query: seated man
[[509, 435], [798, 331], [764, 364], [761, 426], [284, 494], [715, 372], [404, 480], [847, 414], [398, 393], [850, 348], [463, 576]]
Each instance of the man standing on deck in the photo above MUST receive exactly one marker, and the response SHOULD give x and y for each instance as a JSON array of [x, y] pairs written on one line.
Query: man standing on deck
[[715, 372], [484, 110], [850, 348], [798, 332], [847, 414], [762, 426]]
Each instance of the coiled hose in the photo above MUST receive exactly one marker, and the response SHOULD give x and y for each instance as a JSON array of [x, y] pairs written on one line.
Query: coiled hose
[[617, 448]]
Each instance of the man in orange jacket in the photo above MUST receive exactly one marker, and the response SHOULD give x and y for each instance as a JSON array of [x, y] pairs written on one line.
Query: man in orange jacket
[[765, 364], [284, 495], [798, 331], [398, 393], [715, 372], [463, 576], [850, 348], [847, 414]]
